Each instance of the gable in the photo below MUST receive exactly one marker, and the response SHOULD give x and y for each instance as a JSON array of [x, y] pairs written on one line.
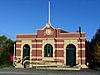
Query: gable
[[48, 26]]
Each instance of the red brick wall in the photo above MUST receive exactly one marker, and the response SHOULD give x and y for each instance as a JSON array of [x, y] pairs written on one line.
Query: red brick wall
[[56, 34], [36, 52], [59, 53], [25, 36], [58, 40], [59, 45], [36, 45]]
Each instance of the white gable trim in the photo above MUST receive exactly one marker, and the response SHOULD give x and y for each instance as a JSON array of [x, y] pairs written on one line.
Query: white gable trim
[[48, 25]]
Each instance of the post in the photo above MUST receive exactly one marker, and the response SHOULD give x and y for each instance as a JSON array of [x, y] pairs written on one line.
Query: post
[[14, 56]]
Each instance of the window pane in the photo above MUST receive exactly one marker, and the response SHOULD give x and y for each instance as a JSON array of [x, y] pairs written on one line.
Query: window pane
[[48, 50]]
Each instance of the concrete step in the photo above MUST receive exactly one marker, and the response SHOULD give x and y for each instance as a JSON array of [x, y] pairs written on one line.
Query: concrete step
[[58, 67]]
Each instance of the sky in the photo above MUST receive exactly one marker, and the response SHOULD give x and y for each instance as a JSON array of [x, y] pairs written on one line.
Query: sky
[[27, 16]]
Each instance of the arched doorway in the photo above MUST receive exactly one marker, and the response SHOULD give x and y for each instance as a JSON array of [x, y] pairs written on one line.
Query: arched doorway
[[71, 55], [48, 50], [26, 50], [26, 54]]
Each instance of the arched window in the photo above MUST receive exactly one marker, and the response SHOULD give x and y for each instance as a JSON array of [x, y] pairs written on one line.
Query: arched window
[[26, 50], [48, 50]]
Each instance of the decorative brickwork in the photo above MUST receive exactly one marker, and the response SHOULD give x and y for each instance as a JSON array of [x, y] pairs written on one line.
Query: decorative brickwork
[[59, 40]]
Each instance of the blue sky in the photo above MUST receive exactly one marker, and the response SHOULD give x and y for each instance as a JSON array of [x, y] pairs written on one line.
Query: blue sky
[[26, 16]]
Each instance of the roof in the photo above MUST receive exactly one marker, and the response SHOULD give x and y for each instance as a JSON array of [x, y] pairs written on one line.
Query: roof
[[63, 31]]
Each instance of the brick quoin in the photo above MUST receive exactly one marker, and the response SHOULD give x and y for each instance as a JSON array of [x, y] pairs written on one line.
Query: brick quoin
[[83, 62], [18, 53], [82, 40], [18, 45], [83, 53], [83, 46]]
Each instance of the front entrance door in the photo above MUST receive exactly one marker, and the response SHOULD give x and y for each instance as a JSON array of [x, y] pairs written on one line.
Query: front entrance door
[[26, 53], [71, 55], [26, 50]]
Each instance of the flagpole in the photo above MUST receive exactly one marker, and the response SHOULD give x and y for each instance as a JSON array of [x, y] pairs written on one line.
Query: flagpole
[[49, 13]]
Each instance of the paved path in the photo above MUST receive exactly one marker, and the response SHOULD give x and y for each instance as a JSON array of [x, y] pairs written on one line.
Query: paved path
[[46, 72]]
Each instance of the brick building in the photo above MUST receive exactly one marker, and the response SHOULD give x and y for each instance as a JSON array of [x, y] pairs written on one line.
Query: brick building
[[50, 47]]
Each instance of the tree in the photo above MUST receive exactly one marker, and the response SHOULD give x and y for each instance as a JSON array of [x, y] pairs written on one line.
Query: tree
[[96, 38], [97, 53], [95, 43], [5, 47]]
